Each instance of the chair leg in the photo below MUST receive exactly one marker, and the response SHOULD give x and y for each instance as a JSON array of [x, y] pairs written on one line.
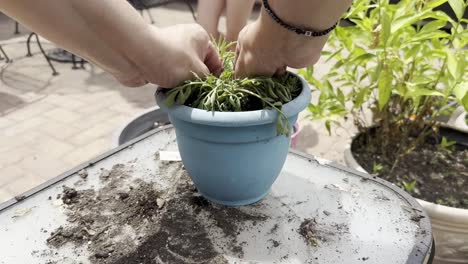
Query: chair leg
[[54, 72], [17, 28], [74, 62], [7, 59], [191, 9], [28, 44], [150, 16]]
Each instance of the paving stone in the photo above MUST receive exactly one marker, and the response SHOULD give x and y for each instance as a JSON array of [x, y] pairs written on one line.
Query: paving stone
[[10, 174], [102, 129], [66, 102], [52, 147], [15, 155], [23, 184], [5, 195], [88, 152], [60, 130], [24, 126], [9, 143], [125, 108], [87, 121], [5, 122], [32, 110], [44, 166], [62, 115]]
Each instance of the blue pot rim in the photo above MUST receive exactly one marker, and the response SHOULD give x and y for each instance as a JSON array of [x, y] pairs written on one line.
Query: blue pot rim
[[236, 119]]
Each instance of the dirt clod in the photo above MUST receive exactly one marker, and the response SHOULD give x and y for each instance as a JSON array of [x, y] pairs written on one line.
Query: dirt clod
[[417, 218], [123, 195], [275, 243], [308, 231], [315, 233], [69, 195], [105, 174], [20, 198], [83, 174]]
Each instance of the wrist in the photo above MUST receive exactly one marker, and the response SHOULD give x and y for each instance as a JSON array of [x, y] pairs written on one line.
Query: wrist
[[288, 43], [144, 43]]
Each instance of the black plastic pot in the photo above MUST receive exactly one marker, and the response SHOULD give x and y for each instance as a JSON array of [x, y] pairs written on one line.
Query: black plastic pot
[[141, 124]]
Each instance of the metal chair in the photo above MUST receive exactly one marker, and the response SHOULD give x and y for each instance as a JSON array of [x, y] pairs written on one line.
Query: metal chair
[[29, 54], [146, 5], [5, 56], [68, 57]]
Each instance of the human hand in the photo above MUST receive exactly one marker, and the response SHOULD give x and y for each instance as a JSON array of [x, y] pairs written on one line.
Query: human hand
[[264, 48], [169, 56]]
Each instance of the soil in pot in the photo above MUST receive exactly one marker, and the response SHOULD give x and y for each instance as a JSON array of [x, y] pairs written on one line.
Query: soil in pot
[[430, 172]]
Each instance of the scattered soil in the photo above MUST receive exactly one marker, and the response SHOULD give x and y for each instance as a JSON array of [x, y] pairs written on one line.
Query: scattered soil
[[441, 174], [126, 224]]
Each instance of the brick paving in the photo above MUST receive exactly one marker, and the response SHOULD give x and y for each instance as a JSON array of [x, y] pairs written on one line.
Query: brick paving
[[50, 124]]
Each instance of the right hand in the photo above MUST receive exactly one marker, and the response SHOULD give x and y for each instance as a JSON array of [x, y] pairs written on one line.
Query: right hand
[[265, 48], [171, 55]]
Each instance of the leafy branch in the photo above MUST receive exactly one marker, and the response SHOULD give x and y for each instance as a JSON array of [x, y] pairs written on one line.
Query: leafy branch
[[405, 63]]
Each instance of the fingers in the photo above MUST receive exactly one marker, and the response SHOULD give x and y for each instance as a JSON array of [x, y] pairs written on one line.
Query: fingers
[[213, 61], [281, 70], [251, 61], [249, 65]]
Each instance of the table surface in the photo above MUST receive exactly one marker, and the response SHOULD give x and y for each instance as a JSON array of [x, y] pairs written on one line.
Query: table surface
[[357, 218]]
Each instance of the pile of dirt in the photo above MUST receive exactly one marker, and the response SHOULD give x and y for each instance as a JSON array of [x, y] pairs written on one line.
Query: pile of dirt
[[441, 174], [136, 224]]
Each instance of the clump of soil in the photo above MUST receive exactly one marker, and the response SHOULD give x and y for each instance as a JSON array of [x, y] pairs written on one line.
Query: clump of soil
[[136, 223], [441, 174], [314, 233]]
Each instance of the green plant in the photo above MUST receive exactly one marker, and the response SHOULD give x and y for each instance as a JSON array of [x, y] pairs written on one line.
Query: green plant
[[377, 167], [226, 93], [409, 186], [446, 144], [402, 63]]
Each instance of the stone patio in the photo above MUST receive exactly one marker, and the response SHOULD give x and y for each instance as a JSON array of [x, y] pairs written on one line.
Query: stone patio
[[50, 124]]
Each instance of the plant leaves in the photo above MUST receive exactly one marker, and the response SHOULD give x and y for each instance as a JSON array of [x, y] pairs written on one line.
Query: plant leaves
[[416, 91], [457, 7], [333, 55], [385, 86], [340, 96], [170, 98], [328, 126], [409, 20], [433, 25], [452, 63], [461, 94], [386, 26], [363, 58], [435, 3], [426, 35]]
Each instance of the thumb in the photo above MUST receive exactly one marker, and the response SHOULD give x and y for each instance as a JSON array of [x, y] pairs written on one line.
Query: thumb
[[213, 61], [200, 69]]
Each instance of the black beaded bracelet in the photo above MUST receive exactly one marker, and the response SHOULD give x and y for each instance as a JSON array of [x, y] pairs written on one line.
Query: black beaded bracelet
[[300, 31]]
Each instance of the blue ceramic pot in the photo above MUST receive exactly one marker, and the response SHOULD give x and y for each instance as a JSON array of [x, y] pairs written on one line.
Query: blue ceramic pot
[[233, 157]]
